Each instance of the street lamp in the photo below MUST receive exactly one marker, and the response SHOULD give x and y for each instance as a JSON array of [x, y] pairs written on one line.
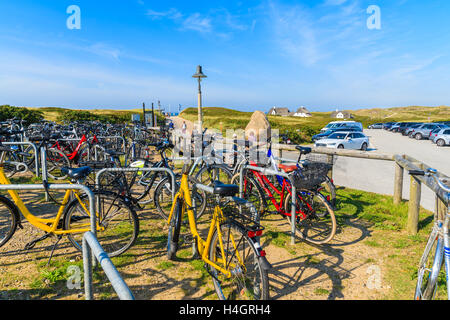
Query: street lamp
[[199, 75]]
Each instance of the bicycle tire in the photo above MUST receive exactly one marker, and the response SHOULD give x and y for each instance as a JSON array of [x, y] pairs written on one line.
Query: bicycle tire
[[162, 198], [253, 194], [301, 225], [112, 246], [220, 173], [250, 282], [330, 192], [174, 231], [429, 267], [9, 219], [57, 160]]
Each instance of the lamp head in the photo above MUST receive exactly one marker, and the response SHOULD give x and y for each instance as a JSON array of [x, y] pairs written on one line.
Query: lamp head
[[199, 74]]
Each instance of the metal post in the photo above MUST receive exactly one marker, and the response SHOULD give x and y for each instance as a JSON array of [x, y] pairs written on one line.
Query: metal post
[[293, 213], [87, 265], [90, 243]]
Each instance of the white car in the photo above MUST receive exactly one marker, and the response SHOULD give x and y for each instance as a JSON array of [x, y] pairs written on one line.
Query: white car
[[345, 140]]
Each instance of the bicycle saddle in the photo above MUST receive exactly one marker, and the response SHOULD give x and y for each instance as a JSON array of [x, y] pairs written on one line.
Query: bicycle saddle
[[287, 168], [225, 190], [303, 150], [77, 173]]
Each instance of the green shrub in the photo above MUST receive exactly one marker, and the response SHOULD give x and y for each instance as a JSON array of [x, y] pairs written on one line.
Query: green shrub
[[29, 116]]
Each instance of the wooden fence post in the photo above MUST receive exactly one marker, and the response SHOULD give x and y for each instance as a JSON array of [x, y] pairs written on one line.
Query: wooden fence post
[[330, 159], [414, 205], [398, 184], [441, 209]]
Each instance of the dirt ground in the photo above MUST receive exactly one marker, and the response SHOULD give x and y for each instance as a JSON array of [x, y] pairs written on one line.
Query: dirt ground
[[347, 268]]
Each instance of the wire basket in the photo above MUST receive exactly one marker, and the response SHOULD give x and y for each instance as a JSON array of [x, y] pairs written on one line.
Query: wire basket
[[235, 209], [322, 158], [311, 175]]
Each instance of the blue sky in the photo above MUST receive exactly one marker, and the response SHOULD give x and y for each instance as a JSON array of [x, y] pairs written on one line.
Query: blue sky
[[256, 54]]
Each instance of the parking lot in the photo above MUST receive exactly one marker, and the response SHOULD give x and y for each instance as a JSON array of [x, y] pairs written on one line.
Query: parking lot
[[424, 150]]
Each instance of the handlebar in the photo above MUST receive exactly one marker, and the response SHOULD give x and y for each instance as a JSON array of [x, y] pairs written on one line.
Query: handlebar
[[430, 173]]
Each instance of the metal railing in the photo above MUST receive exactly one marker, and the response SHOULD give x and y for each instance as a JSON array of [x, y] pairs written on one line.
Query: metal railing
[[92, 248], [36, 153], [166, 170]]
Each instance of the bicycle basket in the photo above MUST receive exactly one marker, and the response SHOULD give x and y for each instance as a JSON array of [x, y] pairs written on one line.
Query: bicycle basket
[[311, 175], [237, 210]]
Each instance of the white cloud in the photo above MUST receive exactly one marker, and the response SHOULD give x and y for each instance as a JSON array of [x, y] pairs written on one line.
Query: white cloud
[[334, 2], [198, 23]]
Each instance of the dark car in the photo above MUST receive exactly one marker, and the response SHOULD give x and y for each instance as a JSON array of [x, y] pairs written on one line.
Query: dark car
[[331, 131], [388, 125], [406, 131], [401, 126]]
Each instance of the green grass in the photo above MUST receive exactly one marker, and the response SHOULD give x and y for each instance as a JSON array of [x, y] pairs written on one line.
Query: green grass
[[300, 130]]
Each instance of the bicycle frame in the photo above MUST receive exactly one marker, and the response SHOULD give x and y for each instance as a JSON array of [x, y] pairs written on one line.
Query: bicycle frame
[[47, 225], [202, 245]]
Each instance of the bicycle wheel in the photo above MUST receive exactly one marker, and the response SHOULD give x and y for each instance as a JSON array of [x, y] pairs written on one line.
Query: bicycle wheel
[[430, 266], [163, 197], [329, 192], [9, 217], [56, 160], [118, 218], [215, 172], [251, 191], [315, 220], [143, 186], [174, 231], [233, 250]]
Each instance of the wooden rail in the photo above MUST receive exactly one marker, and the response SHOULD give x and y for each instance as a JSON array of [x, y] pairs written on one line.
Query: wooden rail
[[401, 162]]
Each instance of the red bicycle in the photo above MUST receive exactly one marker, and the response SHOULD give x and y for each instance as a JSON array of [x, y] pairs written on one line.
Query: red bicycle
[[315, 219], [83, 151]]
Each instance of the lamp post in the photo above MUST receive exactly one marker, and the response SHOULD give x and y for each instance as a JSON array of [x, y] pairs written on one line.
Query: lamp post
[[199, 75]]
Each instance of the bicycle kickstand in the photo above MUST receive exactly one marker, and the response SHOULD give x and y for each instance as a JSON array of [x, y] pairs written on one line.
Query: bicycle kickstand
[[53, 249]]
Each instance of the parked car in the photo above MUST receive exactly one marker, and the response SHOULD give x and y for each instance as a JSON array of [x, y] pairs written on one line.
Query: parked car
[[423, 131], [376, 126], [345, 140], [408, 129], [441, 137], [342, 124], [329, 132], [398, 127], [387, 125]]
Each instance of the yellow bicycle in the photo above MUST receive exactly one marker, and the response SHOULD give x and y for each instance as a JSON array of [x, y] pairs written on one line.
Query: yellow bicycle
[[231, 250], [117, 222]]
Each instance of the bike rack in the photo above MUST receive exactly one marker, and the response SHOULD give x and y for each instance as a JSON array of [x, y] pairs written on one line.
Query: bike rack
[[36, 157], [59, 186], [266, 171], [115, 137], [91, 246], [170, 172]]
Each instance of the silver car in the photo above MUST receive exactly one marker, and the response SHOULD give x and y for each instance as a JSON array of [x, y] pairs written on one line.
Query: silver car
[[345, 140], [442, 138], [423, 132]]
